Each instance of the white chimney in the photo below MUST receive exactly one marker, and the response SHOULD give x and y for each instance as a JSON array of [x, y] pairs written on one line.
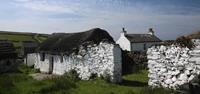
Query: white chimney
[[123, 32], [151, 32]]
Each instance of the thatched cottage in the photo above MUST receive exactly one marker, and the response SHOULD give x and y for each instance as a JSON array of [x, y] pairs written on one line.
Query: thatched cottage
[[137, 42], [7, 56], [90, 52]]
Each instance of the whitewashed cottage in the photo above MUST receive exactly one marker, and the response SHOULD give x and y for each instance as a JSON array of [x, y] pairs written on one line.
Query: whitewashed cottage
[[137, 42], [90, 52]]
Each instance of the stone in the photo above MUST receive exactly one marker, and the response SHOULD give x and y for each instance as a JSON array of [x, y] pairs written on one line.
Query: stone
[[174, 79], [183, 77], [168, 81], [172, 66], [93, 60], [191, 78]]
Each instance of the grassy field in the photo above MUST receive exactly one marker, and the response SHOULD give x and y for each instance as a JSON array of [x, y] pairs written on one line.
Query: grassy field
[[20, 36], [21, 83], [17, 37]]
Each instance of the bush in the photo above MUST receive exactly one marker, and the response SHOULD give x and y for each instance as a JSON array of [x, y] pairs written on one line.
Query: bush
[[93, 76], [107, 78], [72, 75], [27, 70], [185, 42]]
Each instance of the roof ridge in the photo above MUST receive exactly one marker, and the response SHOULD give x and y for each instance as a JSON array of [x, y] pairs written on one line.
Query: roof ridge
[[67, 42]]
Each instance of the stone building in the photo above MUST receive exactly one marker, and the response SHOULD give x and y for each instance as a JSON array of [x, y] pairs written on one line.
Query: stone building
[[137, 42], [7, 56], [90, 52]]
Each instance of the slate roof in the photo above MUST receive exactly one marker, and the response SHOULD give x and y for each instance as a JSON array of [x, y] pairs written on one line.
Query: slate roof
[[138, 38], [7, 50], [70, 42]]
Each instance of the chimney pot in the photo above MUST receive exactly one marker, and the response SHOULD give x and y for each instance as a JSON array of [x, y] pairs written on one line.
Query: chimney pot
[[123, 30], [151, 31]]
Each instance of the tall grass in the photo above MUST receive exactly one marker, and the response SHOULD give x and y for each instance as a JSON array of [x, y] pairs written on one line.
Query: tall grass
[[21, 83], [60, 86]]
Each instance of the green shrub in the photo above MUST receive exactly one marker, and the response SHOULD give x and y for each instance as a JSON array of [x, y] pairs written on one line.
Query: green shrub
[[93, 76], [185, 42], [27, 70], [72, 75]]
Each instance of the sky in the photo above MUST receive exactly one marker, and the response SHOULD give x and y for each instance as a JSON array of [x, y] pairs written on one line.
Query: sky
[[168, 18]]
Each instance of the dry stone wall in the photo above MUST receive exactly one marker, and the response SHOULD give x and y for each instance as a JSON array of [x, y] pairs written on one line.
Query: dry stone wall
[[103, 59], [173, 66]]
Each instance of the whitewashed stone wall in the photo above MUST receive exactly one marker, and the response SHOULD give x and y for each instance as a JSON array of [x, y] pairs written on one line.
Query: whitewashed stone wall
[[173, 66], [103, 59], [30, 60]]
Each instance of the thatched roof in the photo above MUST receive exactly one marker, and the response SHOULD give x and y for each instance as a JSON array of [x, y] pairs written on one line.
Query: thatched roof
[[7, 50], [138, 38], [70, 42]]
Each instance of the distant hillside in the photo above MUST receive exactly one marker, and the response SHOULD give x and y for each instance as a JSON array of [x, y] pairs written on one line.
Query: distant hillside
[[21, 36], [18, 37]]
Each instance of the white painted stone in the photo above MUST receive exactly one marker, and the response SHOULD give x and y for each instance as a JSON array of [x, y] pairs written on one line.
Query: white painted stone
[[173, 66], [103, 59], [174, 79]]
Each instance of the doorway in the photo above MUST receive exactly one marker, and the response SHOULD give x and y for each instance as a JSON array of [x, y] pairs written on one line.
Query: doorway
[[51, 64]]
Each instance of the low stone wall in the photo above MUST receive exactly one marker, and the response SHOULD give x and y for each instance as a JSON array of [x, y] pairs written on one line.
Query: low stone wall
[[173, 66], [103, 59]]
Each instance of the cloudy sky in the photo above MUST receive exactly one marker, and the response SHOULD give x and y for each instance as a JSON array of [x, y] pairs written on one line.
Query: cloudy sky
[[169, 18]]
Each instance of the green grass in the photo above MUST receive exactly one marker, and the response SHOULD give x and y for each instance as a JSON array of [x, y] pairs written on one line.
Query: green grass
[[22, 36], [132, 84], [21, 83], [16, 37]]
